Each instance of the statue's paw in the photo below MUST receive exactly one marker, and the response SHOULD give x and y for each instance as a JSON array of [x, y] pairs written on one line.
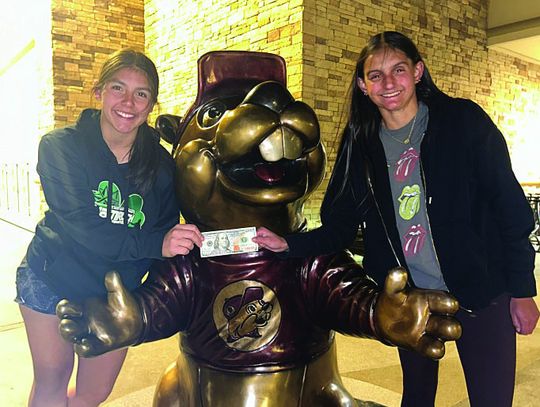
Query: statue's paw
[[68, 309], [441, 302], [88, 347], [444, 328], [72, 330], [438, 330], [430, 347]]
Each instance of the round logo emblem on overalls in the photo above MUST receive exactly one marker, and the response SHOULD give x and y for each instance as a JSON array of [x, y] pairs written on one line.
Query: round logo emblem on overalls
[[247, 315]]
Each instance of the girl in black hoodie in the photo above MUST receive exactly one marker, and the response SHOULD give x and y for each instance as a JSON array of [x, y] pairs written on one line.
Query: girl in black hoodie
[[427, 179], [109, 186]]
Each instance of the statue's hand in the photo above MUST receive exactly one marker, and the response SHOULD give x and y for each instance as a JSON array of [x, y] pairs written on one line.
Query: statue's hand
[[417, 319], [101, 325]]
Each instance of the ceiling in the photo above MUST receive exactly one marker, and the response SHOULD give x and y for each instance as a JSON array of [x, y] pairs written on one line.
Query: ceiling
[[514, 28], [525, 48]]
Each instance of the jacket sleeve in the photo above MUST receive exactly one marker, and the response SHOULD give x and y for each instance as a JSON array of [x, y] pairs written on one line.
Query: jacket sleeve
[[513, 215], [340, 212], [340, 295], [69, 197], [166, 298]]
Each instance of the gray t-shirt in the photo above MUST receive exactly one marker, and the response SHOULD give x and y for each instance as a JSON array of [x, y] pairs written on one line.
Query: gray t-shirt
[[402, 150]]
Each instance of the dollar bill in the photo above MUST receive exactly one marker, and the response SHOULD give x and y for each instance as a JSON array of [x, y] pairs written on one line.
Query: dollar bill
[[228, 241]]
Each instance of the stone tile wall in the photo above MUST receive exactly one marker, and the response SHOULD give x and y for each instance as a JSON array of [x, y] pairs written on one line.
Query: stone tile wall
[[84, 33], [179, 32]]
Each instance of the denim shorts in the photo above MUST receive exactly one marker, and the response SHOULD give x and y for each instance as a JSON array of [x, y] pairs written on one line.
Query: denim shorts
[[33, 293]]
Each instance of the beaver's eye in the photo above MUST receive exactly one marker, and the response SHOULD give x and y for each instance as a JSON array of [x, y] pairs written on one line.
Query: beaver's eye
[[211, 113], [251, 309], [229, 310]]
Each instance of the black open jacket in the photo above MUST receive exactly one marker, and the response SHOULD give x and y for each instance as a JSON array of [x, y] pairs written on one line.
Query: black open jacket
[[479, 216]]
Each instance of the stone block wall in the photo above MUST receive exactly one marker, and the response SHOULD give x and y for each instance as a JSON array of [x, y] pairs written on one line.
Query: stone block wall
[[84, 33], [179, 32]]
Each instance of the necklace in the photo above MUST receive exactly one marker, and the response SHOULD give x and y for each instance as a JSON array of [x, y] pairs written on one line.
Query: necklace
[[408, 138]]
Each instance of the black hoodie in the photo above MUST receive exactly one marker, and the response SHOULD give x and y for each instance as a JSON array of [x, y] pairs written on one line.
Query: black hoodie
[[97, 221]]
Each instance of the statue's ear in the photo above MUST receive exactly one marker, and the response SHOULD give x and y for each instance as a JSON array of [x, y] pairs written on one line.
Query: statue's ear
[[167, 126]]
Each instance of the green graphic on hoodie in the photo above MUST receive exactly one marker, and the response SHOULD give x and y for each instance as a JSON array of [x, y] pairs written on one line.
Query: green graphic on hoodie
[[135, 203], [100, 196]]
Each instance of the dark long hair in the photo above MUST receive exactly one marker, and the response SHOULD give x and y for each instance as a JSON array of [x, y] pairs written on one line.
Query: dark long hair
[[364, 116], [144, 159]]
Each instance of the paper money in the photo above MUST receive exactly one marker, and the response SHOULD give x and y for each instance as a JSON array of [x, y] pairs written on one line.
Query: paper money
[[228, 241]]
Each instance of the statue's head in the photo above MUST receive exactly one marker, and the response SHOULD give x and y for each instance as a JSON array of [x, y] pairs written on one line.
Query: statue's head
[[247, 153]]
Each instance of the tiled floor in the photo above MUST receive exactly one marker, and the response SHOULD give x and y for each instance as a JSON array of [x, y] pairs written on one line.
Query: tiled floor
[[370, 370]]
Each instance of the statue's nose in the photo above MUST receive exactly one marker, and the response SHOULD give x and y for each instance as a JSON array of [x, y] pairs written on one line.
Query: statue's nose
[[272, 95], [282, 143]]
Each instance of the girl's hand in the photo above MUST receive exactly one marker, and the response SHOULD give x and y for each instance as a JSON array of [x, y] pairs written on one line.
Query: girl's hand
[[269, 240], [181, 239], [524, 314]]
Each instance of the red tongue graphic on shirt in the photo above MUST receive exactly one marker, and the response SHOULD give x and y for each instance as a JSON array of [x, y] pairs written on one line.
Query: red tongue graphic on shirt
[[405, 165], [270, 173], [414, 240]]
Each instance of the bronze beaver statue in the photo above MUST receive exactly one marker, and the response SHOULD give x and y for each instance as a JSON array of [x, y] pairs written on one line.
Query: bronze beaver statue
[[256, 329]]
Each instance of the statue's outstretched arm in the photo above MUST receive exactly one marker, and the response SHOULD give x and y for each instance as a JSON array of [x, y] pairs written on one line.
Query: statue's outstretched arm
[[100, 325], [345, 299], [157, 309]]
